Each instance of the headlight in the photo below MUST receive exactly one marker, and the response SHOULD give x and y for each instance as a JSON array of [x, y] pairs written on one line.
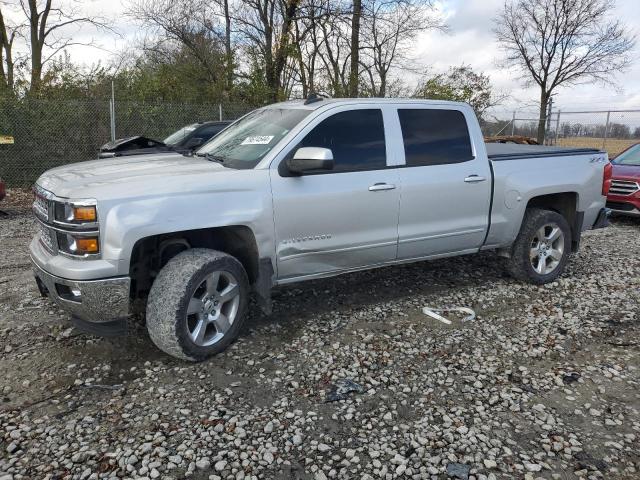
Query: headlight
[[74, 244], [81, 214], [76, 213]]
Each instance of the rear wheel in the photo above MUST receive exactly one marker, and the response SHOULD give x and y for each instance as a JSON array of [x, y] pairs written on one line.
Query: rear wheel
[[197, 304], [541, 250]]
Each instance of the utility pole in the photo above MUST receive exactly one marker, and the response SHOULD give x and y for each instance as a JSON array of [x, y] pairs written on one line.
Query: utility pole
[[547, 140], [112, 112], [606, 131]]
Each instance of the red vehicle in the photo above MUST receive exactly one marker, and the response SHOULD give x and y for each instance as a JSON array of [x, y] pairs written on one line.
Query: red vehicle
[[3, 189], [624, 194]]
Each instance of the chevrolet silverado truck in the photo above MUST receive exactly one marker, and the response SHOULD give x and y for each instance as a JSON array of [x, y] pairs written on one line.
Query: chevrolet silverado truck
[[297, 191]]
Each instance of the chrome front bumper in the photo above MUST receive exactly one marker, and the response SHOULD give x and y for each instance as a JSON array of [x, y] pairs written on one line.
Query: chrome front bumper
[[91, 301]]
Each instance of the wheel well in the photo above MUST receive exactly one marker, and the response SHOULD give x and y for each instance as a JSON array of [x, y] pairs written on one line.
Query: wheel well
[[150, 254], [566, 204]]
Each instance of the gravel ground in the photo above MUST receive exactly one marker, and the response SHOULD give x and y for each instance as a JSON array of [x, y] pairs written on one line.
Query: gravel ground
[[543, 384]]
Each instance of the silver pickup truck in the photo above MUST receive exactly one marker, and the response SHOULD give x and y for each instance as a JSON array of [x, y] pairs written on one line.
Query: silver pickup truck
[[296, 191]]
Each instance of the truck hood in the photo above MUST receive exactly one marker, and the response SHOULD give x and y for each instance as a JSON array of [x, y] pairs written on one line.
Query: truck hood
[[141, 174], [626, 172]]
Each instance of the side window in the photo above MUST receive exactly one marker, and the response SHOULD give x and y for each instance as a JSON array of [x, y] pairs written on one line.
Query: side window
[[434, 137], [355, 137], [209, 131]]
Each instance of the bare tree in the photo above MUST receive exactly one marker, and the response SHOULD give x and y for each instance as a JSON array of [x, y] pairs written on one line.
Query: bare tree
[[192, 26], [320, 40], [562, 42], [7, 63], [334, 49], [390, 28], [267, 27], [49, 22], [386, 29]]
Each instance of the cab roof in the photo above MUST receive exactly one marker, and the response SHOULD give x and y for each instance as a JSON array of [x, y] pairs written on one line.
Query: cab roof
[[318, 103]]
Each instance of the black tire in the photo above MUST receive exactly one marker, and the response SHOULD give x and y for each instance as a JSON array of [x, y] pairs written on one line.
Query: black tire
[[171, 293], [520, 264]]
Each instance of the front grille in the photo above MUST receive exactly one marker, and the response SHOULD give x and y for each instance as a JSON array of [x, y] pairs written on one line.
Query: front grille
[[623, 187], [41, 206], [55, 234], [46, 238]]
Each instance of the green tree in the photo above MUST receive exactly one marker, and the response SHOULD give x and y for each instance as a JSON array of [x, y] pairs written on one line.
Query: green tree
[[460, 84]]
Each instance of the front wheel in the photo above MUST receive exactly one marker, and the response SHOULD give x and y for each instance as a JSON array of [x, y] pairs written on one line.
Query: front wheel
[[541, 250], [197, 304]]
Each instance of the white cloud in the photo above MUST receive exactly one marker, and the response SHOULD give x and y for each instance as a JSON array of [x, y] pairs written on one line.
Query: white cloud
[[469, 41]]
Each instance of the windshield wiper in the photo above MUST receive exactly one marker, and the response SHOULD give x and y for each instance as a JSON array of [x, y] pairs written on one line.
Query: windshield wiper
[[211, 157]]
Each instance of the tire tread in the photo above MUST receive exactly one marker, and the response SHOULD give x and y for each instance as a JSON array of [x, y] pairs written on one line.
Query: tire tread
[[167, 299], [518, 265]]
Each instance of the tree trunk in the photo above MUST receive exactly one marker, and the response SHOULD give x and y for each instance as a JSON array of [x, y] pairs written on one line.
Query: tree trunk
[[269, 70], [5, 50], [355, 48], [36, 69], [37, 23], [280, 60], [382, 91], [227, 45], [542, 118]]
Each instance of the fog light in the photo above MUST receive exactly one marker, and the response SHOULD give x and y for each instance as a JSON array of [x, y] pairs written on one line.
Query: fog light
[[86, 245], [77, 245]]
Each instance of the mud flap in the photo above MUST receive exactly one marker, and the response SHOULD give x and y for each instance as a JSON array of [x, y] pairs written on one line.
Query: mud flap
[[44, 292], [602, 221], [263, 285]]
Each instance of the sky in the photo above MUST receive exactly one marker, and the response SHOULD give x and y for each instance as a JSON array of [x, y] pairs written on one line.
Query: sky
[[469, 41]]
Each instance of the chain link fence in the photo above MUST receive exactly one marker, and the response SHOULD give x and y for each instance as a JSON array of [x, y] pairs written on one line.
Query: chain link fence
[[612, 130], [36, 135]]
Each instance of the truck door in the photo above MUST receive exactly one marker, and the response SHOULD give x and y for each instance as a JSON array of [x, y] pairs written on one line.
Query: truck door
[[446, 183], [344, 218]]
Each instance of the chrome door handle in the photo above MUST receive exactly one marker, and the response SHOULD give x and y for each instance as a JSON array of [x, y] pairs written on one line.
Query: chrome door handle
[[474, 179], [376, 187]]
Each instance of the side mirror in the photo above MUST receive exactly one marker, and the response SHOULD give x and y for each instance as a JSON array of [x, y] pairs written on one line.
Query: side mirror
[[310, 158]]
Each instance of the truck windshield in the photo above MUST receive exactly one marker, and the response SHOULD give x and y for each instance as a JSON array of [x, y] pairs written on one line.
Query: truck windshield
[[245, 143], [629, 157]]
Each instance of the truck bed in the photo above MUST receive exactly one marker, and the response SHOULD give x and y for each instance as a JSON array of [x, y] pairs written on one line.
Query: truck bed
[[512, 151], [522, 172]]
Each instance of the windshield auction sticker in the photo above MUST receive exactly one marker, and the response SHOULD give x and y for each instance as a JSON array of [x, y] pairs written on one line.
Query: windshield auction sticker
[[257, 140], [8, 140]]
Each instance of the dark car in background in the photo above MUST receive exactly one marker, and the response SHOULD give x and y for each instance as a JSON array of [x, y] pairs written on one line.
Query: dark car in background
[[624, 194], [3, 189], [185, 140]]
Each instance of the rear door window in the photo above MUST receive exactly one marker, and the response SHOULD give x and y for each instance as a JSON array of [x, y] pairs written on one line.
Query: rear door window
[[434, 137]]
